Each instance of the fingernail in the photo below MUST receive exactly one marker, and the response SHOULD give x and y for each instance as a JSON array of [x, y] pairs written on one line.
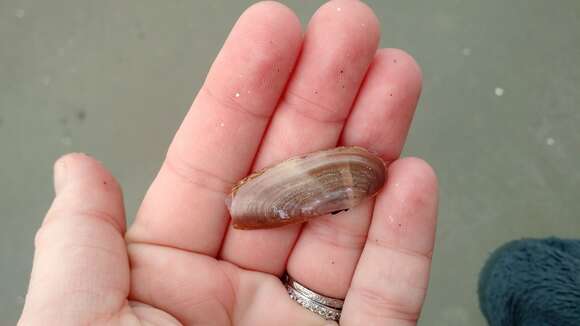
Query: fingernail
[[59, 175]]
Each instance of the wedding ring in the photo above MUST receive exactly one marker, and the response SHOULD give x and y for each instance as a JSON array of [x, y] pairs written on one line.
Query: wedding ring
[[326, 307]]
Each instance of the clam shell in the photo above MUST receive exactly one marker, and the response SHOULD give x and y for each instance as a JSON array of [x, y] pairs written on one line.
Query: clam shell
[[305, 187]]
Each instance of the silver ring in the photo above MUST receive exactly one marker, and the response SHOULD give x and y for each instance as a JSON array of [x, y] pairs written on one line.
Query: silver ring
[[326, 307]]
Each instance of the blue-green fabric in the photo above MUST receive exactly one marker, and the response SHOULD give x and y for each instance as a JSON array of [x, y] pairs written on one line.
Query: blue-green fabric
[[532, 282]]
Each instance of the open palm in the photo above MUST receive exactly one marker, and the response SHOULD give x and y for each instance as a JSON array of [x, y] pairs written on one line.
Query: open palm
[[271, 93]]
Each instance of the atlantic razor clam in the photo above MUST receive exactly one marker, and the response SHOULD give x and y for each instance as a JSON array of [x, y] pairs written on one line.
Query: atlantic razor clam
[[304, 187]]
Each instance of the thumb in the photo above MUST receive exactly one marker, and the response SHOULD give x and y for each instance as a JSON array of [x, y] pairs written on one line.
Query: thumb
[[80, 272]]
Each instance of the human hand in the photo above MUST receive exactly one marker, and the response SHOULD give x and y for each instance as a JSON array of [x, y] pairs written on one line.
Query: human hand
[[269, 95]]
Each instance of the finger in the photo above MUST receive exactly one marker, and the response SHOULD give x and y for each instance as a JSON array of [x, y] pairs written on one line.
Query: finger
[[81, 270], [389, 96], [380, 120], [217, 141], [391, 278], [338, 48]]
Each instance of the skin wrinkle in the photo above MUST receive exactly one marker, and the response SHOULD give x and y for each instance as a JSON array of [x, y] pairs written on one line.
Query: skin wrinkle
[[151, 276], [199, 177], [396, 246], [83, 247], [191, 305], [232, 104], [378, 305], [131, 242], [140, 310], [234, 288], [336, 235], [94, 214], [149, 294], [108, 318], [261, 290], [43, 235], [296, 102]]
